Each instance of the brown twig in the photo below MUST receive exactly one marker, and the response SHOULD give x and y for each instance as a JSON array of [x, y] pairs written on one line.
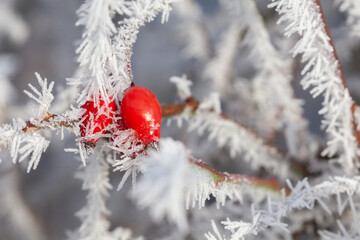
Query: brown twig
[[32, 127], [220, 177], [175, 109]]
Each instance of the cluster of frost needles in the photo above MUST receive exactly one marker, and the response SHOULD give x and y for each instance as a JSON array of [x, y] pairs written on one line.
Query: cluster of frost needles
[[250, 117]]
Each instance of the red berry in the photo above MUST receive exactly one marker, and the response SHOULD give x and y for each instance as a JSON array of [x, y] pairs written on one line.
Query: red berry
[[141, 111], [97, 118]]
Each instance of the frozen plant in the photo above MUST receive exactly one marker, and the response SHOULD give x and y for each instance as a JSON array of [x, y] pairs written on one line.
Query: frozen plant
[[249, 166]]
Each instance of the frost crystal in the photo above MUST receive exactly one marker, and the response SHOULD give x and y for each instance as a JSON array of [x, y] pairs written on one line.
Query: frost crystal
[[96, 50], [21, 144], [94, 222], [44, 97], [321, 73], [161, 187], [183, 86], [271, 86], [172, 179], [130, 148], [303, 195]]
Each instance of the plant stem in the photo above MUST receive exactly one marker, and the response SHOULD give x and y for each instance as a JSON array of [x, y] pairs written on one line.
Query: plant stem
[[220, 177], [339, 68]]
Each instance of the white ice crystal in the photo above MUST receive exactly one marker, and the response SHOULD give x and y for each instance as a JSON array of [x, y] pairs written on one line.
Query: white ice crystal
[[129, 149], [321, 73], [96, 51], [161, 188], [303, 195], [94, 215], [94, 224], [217, 235], [44, 97], [22, 145], [271, 88], [183, 86], [172, 179], [143, 11]]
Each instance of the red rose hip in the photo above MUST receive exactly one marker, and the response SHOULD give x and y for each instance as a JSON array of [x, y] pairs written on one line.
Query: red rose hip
[[97, 118], [141, 111]]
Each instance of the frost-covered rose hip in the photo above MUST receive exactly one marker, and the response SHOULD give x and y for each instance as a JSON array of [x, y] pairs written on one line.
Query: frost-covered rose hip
[[141, 111], [97, 118]]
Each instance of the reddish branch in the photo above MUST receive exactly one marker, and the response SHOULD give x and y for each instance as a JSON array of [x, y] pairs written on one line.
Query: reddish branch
[[32, 127], [220, 177], [193, 104], [174, 109], [296, 166], [339, 68]]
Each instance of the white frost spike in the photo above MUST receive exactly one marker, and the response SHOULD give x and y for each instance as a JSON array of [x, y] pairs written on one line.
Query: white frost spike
[[217, 236], [21, 144], [44, 97], [96, 50], [161, 187], [183, 86], [303, 195], [130, 148], [211, 103], [94, 224]]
